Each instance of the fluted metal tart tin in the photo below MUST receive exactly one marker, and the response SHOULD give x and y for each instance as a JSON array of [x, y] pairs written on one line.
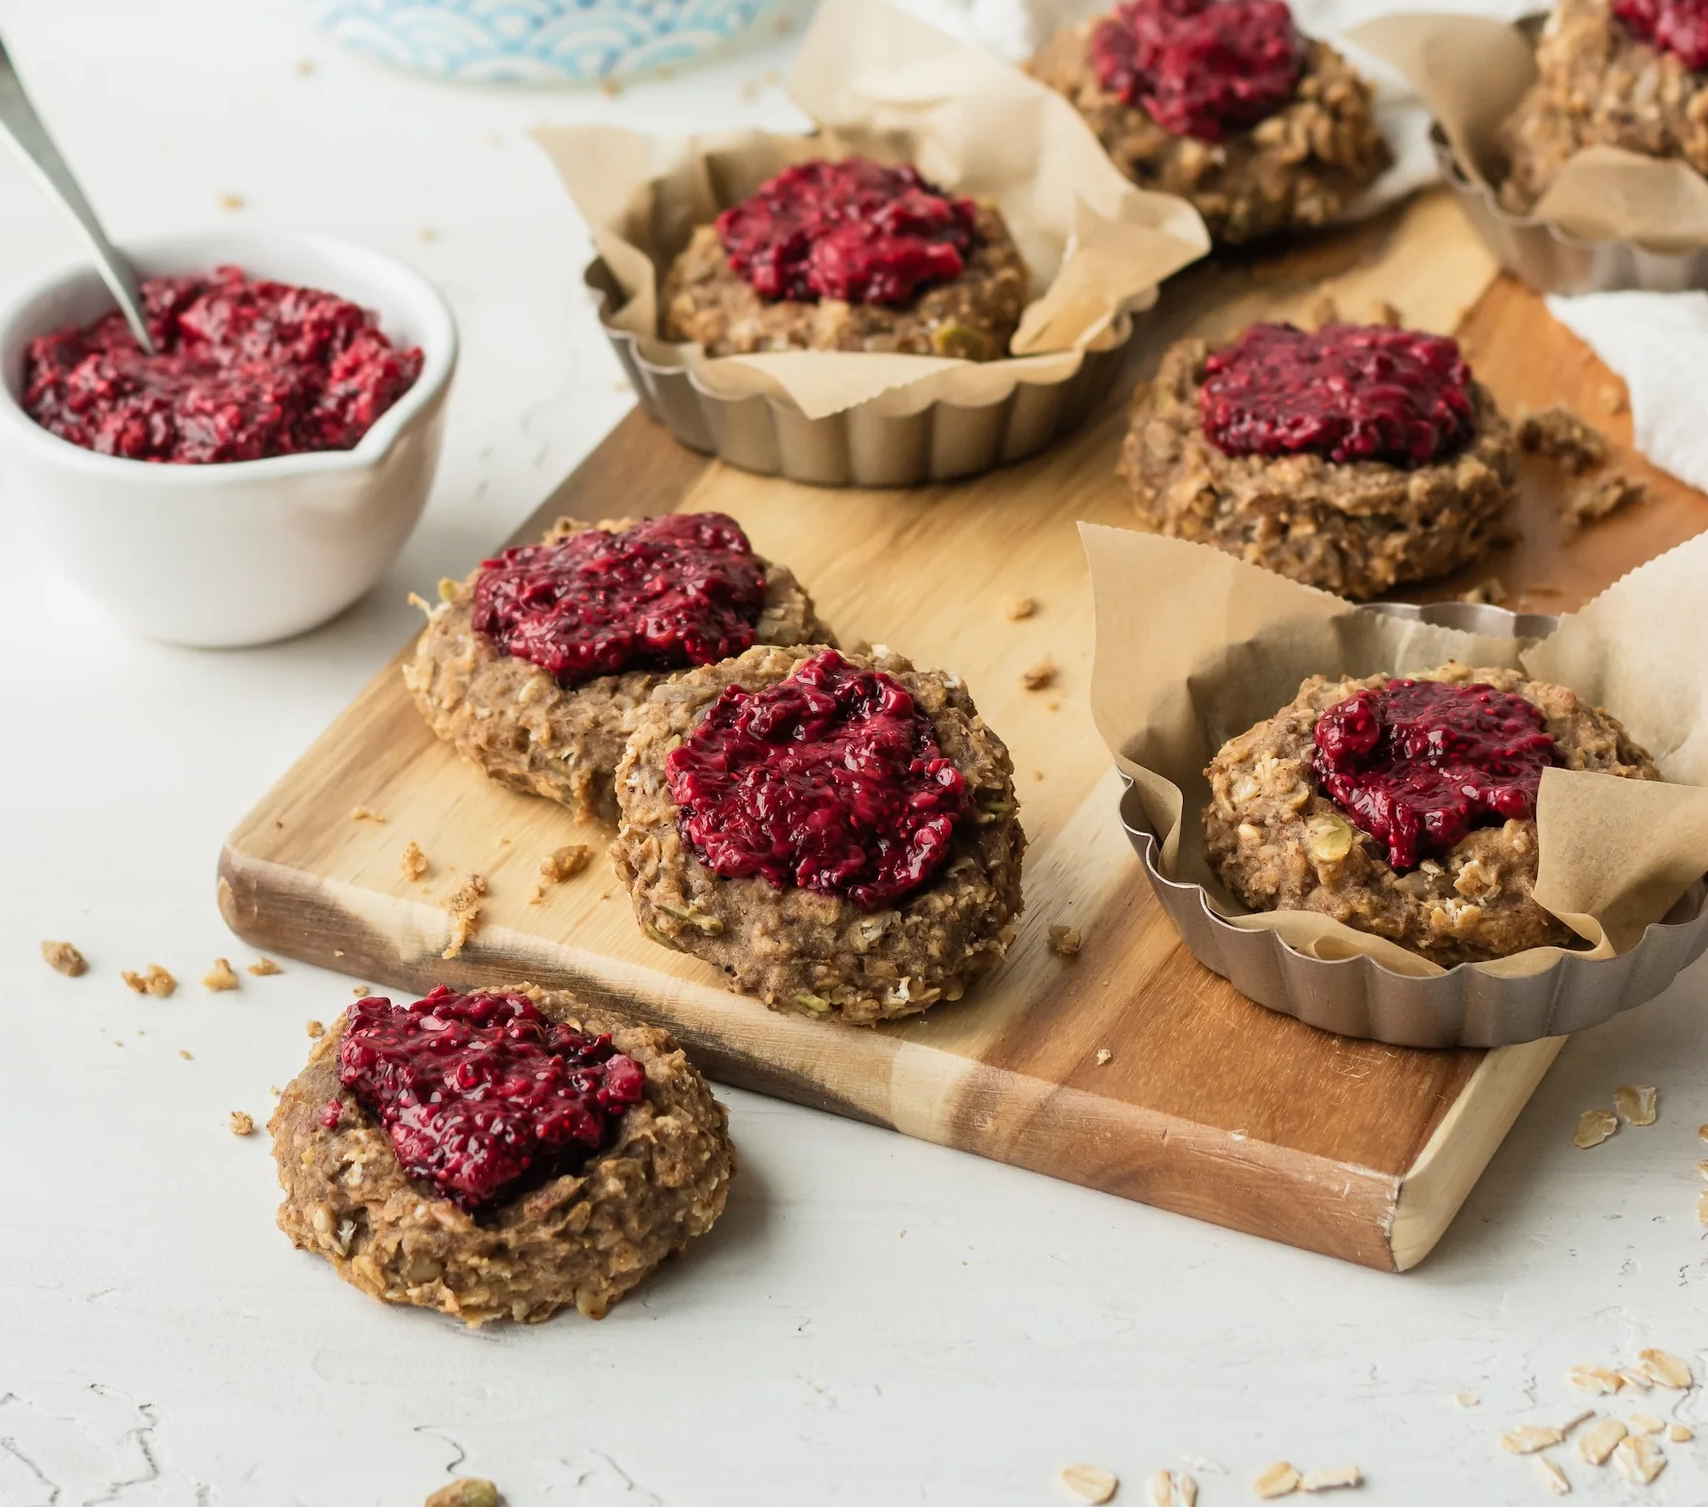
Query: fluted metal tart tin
[[861, 446], [1464, 1007]]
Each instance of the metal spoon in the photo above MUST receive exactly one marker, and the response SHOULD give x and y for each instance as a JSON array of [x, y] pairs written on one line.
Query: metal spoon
[[20, 125]]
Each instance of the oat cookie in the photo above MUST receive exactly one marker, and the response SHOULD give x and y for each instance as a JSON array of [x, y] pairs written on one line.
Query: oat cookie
[[525, 728], [1357, 528], [798, 948], [1297, 169], [1279, 842], [581, 1239]]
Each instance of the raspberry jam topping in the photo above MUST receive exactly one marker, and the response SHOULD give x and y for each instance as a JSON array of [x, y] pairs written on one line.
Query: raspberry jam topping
[[243, 369], [1676, 26], [1345, 392], [683, 589], [1418, 763], [831, 780], [852, 230], [481, 1094], [1197, 67]]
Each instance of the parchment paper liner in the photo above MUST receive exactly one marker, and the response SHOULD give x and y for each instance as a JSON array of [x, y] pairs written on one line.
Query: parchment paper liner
[[878, 82], [1194, 646], [1611, 219]]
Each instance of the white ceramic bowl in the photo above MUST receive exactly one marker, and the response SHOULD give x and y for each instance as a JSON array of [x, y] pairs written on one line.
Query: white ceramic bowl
[[220, 556]]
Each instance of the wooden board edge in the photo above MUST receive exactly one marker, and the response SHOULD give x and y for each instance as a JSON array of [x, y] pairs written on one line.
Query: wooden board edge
[[1299, 1199], [1435, 1186]]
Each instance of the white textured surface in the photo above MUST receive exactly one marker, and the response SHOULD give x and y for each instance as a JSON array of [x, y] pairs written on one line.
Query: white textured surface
[[876, 1321]]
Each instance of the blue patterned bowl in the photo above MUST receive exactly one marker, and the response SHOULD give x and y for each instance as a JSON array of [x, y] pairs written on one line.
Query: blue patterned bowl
[[536, 41]]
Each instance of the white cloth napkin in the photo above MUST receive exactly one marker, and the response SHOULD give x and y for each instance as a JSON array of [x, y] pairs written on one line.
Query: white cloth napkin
[[1658, 342]]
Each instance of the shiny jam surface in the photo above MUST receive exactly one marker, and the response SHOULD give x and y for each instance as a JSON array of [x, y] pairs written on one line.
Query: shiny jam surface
[[682, 589], [830, 780], [1417, 764], [1198, 67], [1346, 392], [1676, 26], [853, 230], [244, 369], [481, 1094]]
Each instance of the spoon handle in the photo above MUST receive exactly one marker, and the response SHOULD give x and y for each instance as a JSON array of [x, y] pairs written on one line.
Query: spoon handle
[[20, 124]]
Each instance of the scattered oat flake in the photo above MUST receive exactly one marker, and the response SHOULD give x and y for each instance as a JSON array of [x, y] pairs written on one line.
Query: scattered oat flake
[[62, 957], [1552, 1476], [1601, 1379], [1039, 676], [610, 88], [1065, 941], [1594, 1127], [220, 976], [232, 202], [1578, 1418], [1090, 1483], [1636, 1378], [566, 862], [242, 1124], [463, 907], [1639, 1458], [1530, 1437], [1702, 1132], [361, 991], [1279, 1480], [1466, 1399], [1599, 1441], [1666, 1369], [1159, 1489], [305, 66], [1016, 607], [155, 980], [412, 861], [315, 1028], [1336, 1478], [1678, 1433], [465, 1491], [1104, 1056], [184, 1054], [428, 233], [1645, 1423], [366, 814], [264, 968], [1635, 1103]]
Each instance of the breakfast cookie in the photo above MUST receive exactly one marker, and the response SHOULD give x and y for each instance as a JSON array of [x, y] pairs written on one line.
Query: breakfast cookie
[[849, 256], [1353, 458], [1619, 73], [1226, 104], [837, 833], [534, 666], [1407, 807], [500, 1154]]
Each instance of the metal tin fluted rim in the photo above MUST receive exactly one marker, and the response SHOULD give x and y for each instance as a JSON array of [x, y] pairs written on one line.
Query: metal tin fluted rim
[[1466, 1006], [860, 446]]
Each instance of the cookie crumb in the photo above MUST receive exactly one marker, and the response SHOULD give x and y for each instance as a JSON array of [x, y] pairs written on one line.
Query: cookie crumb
[[305, 66], [1040, 675], [1336, 1478], [264, 968], [1635, 1103], [1279, 1480], [156, 981], [1064, 941], [366, 814], [566, 862], [1485, 594], [360, 991], [1090, 1483], [315, 1028], [220, 976], [242, 1124], [1561, 435], [610, 88], [465, 1491], [62, 957], [463, 907], [427, 233], [1594, 1127], [1017, 607], [1552, 1477], [1104, 1056], [1600, 495], [412, 861]]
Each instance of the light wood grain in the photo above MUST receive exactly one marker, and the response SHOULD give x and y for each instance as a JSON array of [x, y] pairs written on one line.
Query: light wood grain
[[1208, 1104]]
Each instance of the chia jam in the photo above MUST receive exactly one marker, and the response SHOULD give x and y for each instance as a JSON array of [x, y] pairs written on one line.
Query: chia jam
[[1197, 67], [1345, 392], [1676, 26], [853, 230], [243, 369], [831, 780], [682, 589], [481, 1094], [1417, 764]]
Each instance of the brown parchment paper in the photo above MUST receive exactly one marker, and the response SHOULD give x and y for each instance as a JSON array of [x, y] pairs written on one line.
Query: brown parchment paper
[[1472, 72], [880, 83], [1195, 646]]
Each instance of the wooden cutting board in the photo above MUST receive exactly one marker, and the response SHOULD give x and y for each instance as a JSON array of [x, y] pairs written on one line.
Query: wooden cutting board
[[1207, 1105]]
